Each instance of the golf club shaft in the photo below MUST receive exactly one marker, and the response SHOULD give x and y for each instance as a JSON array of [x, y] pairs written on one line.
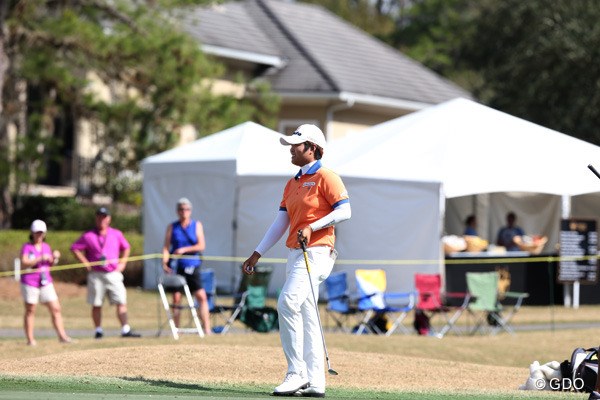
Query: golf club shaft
[[331, 371], [591, 167]]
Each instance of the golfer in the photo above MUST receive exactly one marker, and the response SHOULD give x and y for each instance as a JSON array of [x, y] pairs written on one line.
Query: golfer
[[313, 202], [108, 250]]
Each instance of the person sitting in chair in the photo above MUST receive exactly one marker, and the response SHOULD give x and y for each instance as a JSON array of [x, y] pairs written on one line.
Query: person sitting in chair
[[185, 237]]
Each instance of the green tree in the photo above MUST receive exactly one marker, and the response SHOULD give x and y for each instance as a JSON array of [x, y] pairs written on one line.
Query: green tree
[[154, 80], [433, 32], [537, 59], [540, 60], [374, 17]]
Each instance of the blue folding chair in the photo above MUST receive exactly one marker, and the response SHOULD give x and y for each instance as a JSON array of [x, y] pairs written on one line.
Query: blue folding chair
[[374, 301], [210, 286], [338, 301]]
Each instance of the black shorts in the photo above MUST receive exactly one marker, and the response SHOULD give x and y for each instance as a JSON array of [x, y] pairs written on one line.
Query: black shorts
[[194, 281]]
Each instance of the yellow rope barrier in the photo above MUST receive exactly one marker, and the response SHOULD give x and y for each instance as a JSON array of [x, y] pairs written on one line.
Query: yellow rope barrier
[[449, 261]]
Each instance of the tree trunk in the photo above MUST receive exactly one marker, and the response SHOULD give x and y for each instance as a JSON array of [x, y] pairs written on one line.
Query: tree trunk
[[6, 204]]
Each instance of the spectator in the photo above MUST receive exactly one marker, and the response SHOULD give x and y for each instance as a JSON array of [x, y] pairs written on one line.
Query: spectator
[[37, 286], [104, 252], [313, 202], [510, 235], [185, 237], [471, 226]]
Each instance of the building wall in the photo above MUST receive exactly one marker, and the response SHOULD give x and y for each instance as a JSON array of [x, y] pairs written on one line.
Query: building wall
[[335, 121]]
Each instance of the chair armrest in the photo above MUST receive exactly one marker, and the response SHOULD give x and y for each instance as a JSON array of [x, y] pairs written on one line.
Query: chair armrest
[[398, 295], [411, 296], [457, 294], [467, 298], [340, 297], [516, 295]]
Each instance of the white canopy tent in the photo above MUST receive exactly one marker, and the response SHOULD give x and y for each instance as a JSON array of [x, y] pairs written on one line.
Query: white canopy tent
[[471, 149], [486, 161]]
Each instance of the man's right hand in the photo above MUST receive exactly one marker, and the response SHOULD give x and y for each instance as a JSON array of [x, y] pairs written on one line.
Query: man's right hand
[[248, 265]]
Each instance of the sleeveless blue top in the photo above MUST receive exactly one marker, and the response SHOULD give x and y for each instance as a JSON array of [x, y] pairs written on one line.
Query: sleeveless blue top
[[182, 237]]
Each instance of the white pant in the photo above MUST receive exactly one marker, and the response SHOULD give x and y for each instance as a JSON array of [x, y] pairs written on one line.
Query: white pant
[[298, 323]]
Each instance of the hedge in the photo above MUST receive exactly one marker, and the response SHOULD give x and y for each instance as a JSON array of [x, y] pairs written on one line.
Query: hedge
[[67, 214]]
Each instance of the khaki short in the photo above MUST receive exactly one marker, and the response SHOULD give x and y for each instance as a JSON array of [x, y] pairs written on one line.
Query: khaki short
[[34, 295], [99, 284]]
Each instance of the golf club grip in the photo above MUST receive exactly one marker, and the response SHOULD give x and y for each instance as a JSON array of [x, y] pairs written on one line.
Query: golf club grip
[[591, 167], [302, 242]]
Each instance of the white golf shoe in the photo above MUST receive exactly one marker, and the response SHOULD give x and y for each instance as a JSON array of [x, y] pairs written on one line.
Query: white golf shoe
[[291, 384], [311, 391]]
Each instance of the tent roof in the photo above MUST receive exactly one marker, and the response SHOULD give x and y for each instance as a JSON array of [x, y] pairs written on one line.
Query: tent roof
[[469, 148], [256, 150]]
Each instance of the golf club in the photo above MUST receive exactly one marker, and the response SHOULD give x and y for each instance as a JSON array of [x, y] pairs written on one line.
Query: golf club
[[303, 244], [591, 167]]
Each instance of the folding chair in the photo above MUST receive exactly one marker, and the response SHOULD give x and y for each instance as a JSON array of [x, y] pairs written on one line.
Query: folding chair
[[210, 286], [177, 283], [486, 305], [338, 301], [432, 301], [255, 314], [374, 301]]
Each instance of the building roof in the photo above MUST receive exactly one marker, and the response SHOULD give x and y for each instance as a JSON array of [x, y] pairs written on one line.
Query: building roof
[[313, 52]]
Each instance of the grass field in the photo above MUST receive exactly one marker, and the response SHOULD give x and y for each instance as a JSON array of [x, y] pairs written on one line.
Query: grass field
[[248, 365]]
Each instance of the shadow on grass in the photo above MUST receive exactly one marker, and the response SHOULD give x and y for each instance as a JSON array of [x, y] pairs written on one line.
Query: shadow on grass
[[192, 388]]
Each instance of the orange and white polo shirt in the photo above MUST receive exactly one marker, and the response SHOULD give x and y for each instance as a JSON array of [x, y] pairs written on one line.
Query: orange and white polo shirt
[[310, 197]]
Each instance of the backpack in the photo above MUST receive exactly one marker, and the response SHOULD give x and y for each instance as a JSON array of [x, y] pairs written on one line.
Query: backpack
[[581, 370], [421, 323], [379, 323]]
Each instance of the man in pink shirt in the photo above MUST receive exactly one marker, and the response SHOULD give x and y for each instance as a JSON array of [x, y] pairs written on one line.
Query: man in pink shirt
[[104, 252]]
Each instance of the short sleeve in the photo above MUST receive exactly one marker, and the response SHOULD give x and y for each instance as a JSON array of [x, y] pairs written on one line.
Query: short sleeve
[[334, 190], [80, 244]]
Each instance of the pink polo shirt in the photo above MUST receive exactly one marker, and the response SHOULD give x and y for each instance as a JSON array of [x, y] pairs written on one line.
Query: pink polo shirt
[[98, 247], [42, 268]]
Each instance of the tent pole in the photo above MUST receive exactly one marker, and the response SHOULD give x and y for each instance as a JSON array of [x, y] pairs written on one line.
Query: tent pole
[[569, 289], [234, 230], [442, 255]]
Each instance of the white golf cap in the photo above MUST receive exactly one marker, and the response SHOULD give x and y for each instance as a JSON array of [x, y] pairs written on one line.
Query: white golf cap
[[305, 133], [38, 226]]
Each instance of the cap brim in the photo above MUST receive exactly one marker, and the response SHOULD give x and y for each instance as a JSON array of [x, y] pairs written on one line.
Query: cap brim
[[289, 140]]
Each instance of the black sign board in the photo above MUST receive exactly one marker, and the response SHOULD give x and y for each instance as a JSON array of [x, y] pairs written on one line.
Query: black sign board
[[578, 250]]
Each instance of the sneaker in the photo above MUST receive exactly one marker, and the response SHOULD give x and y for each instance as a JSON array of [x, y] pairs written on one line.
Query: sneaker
[[99, 335], [131, 333], [291, 384], [594, 396], [310, 391]]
